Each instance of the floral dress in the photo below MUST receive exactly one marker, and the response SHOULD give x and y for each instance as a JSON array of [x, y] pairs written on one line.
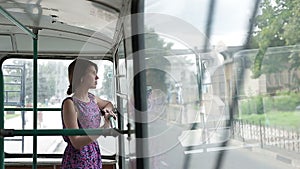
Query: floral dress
[[88, 156]]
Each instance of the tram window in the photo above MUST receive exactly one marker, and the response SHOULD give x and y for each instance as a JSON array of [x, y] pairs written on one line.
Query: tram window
[[171, 70], [52, 86], [122, 73]]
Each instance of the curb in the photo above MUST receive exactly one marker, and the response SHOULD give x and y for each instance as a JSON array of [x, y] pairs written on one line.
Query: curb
[[279, 157], [293, 161]]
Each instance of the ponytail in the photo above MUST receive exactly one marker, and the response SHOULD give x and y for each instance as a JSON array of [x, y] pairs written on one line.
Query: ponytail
[[69, 91]]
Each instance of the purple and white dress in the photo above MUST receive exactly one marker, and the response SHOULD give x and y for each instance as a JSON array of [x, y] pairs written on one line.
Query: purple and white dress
[[88, 156]]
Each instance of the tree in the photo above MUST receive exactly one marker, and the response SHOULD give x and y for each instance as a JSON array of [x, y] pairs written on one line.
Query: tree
[[278, 25], [48, 73], [107, 86], [156, 50], [28, 79], [154, 41]]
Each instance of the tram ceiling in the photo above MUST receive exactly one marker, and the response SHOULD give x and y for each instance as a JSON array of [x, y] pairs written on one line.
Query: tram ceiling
[[91, 24]]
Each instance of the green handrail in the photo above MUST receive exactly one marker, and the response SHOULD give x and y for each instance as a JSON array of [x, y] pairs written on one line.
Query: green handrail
[[31, 109], [63, 132]]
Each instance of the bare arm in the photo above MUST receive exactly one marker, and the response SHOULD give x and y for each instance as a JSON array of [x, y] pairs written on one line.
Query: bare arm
[[108, 109], [104, 104], [70, 121]]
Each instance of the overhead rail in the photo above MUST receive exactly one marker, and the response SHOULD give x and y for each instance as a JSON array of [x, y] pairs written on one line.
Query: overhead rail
[[63, 132]]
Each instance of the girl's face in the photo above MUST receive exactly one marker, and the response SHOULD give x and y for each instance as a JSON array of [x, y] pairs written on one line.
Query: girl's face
[[90, 78]]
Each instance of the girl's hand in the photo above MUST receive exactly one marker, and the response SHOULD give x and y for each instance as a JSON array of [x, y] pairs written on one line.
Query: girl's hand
[[108, 113]]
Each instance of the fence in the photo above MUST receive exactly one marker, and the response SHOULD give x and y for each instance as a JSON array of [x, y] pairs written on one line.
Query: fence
[[266, 135]]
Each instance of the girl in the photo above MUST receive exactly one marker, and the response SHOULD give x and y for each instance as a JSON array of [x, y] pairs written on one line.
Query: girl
[[82, 110]]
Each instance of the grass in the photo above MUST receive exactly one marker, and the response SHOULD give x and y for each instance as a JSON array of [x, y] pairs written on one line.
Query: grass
[[279, 119], [9, 116]]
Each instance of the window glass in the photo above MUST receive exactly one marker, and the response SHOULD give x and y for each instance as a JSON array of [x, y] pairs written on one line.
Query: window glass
[[52, 87]]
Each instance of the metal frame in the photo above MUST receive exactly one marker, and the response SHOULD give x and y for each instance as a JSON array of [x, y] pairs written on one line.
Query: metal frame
[[34, 37], [21, 102], [137, 9], [140, 101], [37, 132]]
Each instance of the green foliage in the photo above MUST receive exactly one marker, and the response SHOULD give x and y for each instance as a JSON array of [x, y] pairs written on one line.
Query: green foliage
[[294, 58], [47, 79], [10, 116], [277, 25], [247, 107], [154, 42], [275, 62], [277, 110], [285, 101], [107, 82], [254, 105], [259, 105], [288, 120], [156, 50]]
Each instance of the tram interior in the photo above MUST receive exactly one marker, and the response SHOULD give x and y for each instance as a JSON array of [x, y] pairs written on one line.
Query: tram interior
[[192, 82]]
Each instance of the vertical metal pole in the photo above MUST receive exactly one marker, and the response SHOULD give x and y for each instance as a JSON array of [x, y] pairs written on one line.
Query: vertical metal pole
[[1, 119], [140, 101], [35, 78], [33, 35], [233, 124], [121, 140], [23, 101]]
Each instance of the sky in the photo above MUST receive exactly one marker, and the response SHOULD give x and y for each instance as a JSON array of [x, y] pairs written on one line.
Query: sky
[[230, 22]]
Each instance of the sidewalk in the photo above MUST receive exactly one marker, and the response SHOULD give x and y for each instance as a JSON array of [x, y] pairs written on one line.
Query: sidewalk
[[284, 156], [288, 157], [45, 144]]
